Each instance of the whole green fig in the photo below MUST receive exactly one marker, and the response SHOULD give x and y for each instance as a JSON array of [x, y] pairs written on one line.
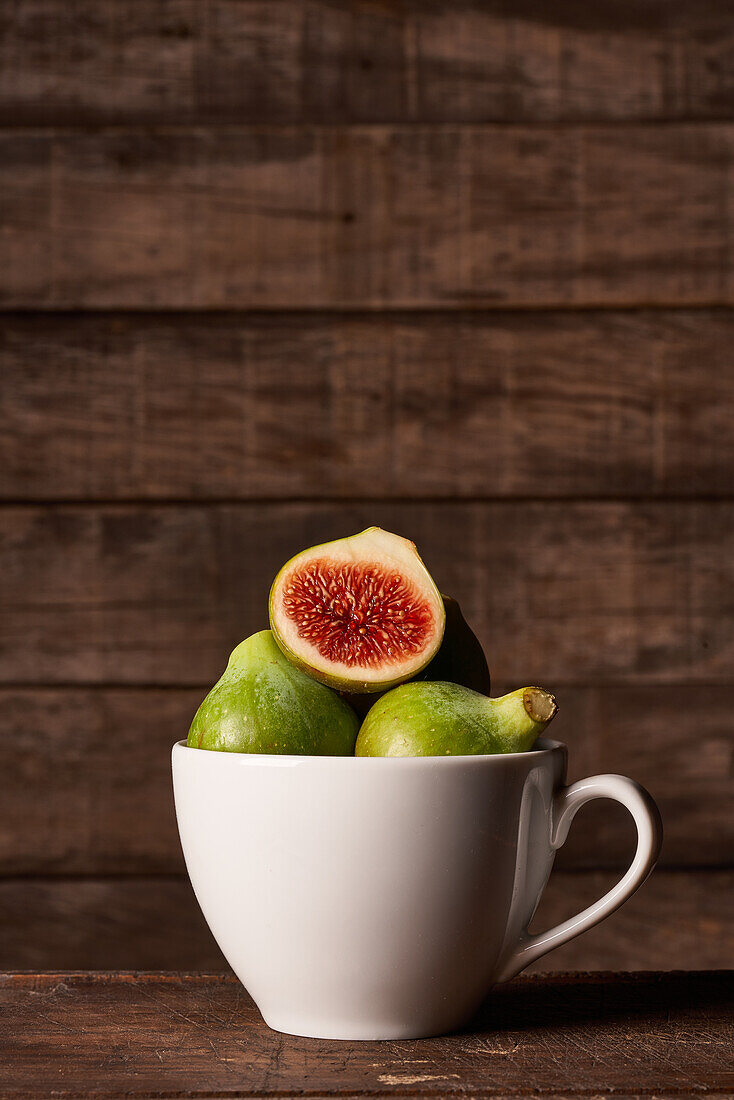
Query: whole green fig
[[443, 719], [264, 704]]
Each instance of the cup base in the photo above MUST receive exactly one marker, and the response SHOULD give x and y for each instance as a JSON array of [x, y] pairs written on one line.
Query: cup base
[[357, 1030]]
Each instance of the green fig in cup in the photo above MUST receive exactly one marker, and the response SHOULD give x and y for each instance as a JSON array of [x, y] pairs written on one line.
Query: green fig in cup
[[264, 704], [443, 719]]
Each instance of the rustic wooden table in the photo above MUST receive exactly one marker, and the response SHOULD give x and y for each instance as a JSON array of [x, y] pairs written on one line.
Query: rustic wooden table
[[199, 1035]]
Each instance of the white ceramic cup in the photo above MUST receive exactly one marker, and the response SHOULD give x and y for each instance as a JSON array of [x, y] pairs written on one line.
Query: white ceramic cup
[[382, 898]]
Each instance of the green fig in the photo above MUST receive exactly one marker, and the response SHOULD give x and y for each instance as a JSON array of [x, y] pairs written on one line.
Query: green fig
[[264, 704], [442, 719], [360, 614]]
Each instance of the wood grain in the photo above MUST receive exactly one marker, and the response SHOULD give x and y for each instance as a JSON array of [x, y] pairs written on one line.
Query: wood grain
[[89, 781], [88, 784], [124, 922], [637, 404], [373, 216], [293, 61], [558, 592], [178, 1035], [678, 919]]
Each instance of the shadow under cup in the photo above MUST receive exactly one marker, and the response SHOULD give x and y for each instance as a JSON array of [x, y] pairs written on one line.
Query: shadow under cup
[[378, 897]]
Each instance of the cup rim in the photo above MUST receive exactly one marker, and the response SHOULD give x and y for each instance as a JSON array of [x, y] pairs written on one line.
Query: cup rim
[[546, 748]]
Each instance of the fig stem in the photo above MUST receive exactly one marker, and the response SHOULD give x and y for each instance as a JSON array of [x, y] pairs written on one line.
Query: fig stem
[[540, 705]]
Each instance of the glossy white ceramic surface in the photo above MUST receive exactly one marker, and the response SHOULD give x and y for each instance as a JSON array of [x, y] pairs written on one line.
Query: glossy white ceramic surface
[[381, 898]]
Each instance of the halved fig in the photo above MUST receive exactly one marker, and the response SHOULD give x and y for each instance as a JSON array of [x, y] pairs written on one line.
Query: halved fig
[[360, 614]]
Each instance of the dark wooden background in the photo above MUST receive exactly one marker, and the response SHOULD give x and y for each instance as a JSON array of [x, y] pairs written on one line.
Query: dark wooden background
[[274, 271]]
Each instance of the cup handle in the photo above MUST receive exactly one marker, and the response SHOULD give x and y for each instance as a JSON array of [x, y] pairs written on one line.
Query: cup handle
[[566, 803]]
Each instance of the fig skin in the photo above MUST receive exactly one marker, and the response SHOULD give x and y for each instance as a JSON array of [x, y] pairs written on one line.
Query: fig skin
[[460, 660], [442, 719], [263, 704], [388, 551]]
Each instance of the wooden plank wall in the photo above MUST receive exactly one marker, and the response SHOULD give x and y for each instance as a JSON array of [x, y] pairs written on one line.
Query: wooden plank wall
[[274, 271]]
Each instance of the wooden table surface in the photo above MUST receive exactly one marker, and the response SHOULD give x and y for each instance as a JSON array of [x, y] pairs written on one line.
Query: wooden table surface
[[199, 1035]]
